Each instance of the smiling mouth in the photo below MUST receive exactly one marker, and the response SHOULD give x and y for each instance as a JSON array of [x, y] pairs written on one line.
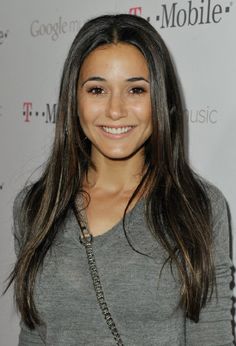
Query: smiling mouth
[[117, 130]]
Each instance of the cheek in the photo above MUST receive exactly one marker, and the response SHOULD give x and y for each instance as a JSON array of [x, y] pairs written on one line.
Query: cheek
[[81, 116], [83, 119], [87, 112], [142, 105], [144, 113]]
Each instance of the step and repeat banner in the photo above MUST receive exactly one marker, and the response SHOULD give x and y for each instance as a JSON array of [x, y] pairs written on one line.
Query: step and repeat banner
[[34, 40]]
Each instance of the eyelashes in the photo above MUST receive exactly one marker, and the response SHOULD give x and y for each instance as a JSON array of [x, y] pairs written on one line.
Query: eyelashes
[[99, 91], [95, 91], [137, 90]]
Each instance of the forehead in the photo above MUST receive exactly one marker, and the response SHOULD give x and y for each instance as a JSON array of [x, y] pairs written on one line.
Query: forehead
[[115, 59]]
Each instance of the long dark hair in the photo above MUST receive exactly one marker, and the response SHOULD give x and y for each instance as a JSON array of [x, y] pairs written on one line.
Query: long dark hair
[[178, 209]]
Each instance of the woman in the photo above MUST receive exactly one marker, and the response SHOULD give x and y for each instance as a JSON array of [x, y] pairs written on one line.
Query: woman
[[119, 241]]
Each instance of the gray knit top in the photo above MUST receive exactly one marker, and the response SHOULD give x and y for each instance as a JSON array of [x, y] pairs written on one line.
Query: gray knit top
[[143, 300]]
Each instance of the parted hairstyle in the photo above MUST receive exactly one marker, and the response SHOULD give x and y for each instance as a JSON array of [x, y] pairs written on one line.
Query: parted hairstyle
[[178, 209]]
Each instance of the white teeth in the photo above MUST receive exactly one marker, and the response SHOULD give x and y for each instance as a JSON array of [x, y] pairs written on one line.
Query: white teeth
[[117, 130]]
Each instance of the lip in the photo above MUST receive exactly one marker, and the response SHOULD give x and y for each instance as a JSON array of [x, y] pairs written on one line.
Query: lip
[[116, 136]]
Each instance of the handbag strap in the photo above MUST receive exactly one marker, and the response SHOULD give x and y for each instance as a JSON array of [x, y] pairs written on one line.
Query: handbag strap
[[86, 239]]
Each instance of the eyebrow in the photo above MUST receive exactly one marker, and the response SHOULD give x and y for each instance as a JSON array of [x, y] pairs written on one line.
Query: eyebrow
[[100, 79]]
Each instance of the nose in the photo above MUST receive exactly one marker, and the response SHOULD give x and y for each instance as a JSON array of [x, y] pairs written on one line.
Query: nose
[[116, 107]]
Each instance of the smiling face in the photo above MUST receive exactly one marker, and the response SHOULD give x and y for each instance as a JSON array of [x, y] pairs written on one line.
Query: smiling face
[[114, 101]]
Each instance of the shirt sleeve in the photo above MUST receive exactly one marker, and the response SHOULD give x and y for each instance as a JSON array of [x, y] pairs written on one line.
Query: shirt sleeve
[[27, 337], [215, 326]]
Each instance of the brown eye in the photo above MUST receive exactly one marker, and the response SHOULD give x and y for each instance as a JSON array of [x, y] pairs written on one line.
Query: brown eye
[[96, 91], [137, 90]]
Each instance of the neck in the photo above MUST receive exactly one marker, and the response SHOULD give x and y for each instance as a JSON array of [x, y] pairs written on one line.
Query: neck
[[115, 175]]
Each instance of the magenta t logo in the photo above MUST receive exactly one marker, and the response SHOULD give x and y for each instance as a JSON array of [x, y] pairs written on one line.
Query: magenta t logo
[[137, 11], [27, 106]]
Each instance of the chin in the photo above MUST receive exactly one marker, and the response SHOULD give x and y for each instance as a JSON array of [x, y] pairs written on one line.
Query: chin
[[119, 156], [118, 153]]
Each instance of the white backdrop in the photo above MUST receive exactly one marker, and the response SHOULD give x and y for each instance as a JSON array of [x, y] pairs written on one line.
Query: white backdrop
[[34, 40]]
